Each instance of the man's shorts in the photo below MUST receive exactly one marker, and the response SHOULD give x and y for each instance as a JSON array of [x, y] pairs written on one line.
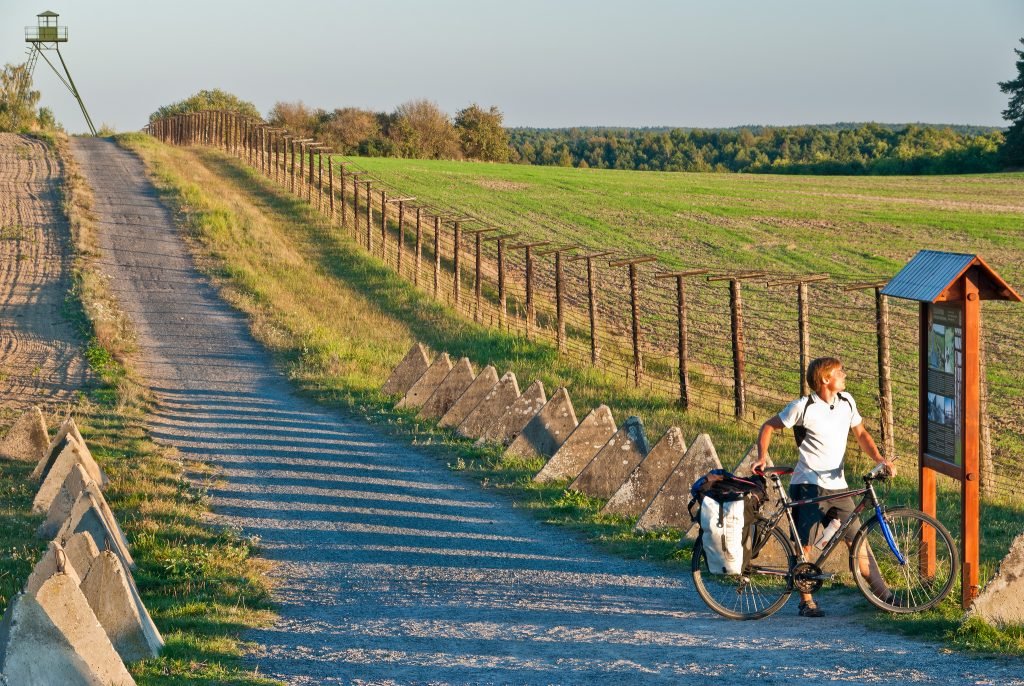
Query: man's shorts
[[809, 517]]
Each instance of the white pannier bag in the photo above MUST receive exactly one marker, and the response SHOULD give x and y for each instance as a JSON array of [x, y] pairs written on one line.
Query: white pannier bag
[[722, 527]]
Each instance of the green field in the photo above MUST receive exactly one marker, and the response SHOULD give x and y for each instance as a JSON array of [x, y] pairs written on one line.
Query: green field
[[850, 226]]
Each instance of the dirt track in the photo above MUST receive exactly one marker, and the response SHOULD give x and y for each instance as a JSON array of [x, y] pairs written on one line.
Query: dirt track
[[391, 568], [40, 355]]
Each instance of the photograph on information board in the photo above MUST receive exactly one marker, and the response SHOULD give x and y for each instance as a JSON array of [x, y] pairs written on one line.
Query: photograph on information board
[[945, 379]]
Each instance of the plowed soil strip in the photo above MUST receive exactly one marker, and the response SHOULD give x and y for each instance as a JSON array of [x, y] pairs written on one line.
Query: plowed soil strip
[[40, 355], [393, 570]]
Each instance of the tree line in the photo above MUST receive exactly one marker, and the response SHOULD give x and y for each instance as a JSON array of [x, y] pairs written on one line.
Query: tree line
[[853, 149]]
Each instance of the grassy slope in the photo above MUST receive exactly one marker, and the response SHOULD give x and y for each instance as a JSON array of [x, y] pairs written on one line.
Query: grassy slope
[[270, 253]]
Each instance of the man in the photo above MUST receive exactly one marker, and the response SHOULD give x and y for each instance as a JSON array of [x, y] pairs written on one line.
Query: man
[[827, 415]]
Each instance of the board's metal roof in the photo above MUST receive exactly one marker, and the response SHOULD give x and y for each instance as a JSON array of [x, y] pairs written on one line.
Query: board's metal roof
[[927, 275]]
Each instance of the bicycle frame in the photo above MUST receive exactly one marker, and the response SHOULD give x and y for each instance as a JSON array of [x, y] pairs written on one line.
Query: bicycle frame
[[870, 498]]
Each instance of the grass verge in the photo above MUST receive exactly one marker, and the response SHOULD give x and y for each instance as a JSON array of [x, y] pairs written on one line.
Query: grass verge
[[202, 586], [338, 321]]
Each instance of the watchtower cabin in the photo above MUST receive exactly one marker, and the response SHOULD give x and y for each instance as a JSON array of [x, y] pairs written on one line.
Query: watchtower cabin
[[47, 31]]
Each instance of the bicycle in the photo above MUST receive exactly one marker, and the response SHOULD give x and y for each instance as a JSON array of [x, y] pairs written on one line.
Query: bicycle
[[910, 558]]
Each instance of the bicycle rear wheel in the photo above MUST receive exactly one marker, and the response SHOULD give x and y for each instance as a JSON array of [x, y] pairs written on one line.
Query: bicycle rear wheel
[[762, 588], [916, 584]]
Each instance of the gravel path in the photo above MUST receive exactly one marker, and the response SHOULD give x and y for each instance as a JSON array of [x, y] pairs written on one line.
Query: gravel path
[[40, 355], [392, 569]]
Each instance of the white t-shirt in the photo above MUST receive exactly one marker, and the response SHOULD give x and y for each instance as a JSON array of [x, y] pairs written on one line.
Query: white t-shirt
[[824, 448]]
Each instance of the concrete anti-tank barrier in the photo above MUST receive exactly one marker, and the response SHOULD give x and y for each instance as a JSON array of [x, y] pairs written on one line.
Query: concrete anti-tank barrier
[[53, 637], [68, 431], [580, 447], [65, 499], [90, 514], [518, 415], [111, 593], [74, 453], [1001, 602], [408, 371], [451, 389], [425, 386], [642, 484], [485, 381], [612, 464], [546, 432], [490, 409], [668, 508], [27, 439]]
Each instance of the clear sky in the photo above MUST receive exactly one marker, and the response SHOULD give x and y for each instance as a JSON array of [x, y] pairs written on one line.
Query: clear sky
[[543, 63]]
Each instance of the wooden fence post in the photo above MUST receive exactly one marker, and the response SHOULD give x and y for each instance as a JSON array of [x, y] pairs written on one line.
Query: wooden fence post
[[369, 222], [401, 229], [309, 182], [478, 274], [560, 339], [885, 419], [739, 363], [293, 141], [330, 185], [437, 255], [638, 359], [595, 345], [683, 340], [383, 226], [531, 305], [457, 286], [419, 248]]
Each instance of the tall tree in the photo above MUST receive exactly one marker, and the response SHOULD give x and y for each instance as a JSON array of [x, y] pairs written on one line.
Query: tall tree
[[294, 116], [1013, 148], [422, 129], [482, 134], [17, 99], [215, 99]]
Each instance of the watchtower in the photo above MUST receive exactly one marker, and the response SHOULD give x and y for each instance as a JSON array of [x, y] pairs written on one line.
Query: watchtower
[[46, 36]]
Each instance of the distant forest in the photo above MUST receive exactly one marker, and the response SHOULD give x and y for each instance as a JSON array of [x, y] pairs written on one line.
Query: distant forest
[[420, 129], [819, 149]]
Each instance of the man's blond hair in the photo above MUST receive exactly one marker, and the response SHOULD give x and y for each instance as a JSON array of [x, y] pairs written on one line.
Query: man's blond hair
[[820, 369]]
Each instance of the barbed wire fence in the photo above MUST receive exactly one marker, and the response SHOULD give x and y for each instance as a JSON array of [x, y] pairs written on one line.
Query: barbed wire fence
[[724, 343]]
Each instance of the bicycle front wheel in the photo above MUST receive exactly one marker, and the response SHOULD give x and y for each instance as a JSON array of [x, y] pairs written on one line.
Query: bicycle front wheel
[[762, 588], [921, 579]]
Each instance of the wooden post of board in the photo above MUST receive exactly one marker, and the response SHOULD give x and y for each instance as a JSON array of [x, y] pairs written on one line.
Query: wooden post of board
[[634, 306], [970, 513], [683, 340]]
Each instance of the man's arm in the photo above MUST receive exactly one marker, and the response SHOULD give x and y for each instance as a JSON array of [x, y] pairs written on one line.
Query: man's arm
[[867, 444], [763, 439]]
